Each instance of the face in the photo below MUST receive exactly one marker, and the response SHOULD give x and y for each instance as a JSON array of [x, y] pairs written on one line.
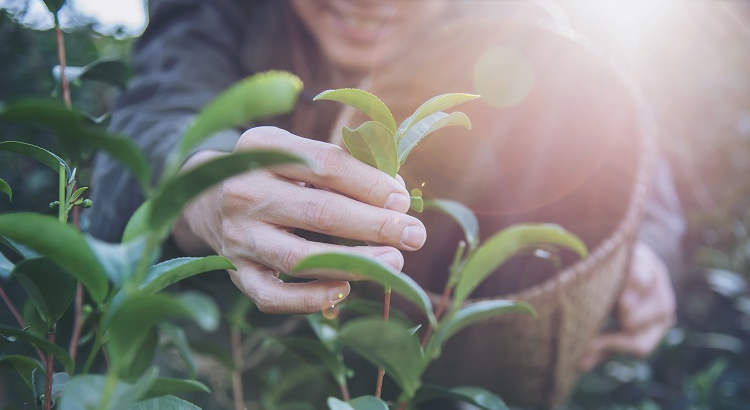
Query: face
[[356, 35]]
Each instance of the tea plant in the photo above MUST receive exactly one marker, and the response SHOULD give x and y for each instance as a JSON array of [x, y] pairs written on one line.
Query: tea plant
[[393, 346]]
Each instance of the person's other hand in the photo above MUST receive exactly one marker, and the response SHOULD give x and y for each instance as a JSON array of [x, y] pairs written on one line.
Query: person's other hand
[[249, 219], [645, 309]]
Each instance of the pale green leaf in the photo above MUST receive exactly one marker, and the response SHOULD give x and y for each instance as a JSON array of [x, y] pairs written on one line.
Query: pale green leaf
[[119, 260], [6, 266], [388, 345], [62, 243], [164, 403], [438, 103], [358, 403], [259, 96], [461, 214], [372, 144], [166, 273], [107, 70], [472, 314], [503, 245], [369, 268], [202, 308], [427, 126], [5, 188], [175, 336], [167, 385], [368, 103]]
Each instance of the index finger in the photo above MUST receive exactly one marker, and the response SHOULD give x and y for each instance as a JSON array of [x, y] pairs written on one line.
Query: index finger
[[330, 167]]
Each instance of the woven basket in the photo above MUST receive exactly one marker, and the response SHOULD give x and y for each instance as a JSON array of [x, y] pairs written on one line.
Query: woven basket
[[535, 359]]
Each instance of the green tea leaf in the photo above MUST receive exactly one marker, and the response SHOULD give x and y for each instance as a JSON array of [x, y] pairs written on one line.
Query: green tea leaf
[[39, 154], [326, 330], [261, 95], [427, 126], [76, 134], [461, 214], [313, 350], [23, 365], [417, 202], [5, 188], [54, 5], [85, 392], [358, 403], [202, 308], [168, 385], [143, 358], [49, 288], [388, 345], [372, 144], [168, 202], [398, 282], [176, 336], [237, 315], [503, 245], [62, 243], [138, 223], [367, 307], [368, 103], [60, 354], [106, 70], [472, 314], [6, 266], [119, 260], [476, 396], [166, 273], [438, 103], [132, 319], [23, 252], [164, 403]]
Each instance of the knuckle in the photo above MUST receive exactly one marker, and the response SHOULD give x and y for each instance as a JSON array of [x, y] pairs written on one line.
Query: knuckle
[[262, 136], [320, 215], [329, 161], [289, 257]]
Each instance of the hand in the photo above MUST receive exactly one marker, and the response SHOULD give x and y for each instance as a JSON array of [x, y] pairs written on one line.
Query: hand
[[249, 219], [646, 310]]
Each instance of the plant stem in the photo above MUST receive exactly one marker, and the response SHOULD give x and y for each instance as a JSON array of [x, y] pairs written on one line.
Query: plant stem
[[92, 353], [239, 401], [345, 391], [444, 299], [61, 58], [19, 319], [386, 314], [50, 369], [77, 322]]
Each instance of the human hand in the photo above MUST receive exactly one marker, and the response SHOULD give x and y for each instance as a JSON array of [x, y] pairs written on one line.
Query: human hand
[[249, 219], [645, 309]]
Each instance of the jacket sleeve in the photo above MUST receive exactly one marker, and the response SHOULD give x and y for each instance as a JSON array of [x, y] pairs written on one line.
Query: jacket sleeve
[[185, 57]]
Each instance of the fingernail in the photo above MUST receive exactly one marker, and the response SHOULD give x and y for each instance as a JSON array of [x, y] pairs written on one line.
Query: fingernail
[[337, 294], [397, 202], [413, 237], [392, 259]]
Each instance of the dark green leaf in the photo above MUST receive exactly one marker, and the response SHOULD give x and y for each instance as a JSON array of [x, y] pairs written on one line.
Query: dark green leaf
[[314, 350], [476, 396], [6, 266], [372, 308], [368, 103], [54, 6], [502, 246], [107, 70], [261, 95], [472, 314], [461, 214], [60, 354], [85, 392], [427, 126], [119, 260], [61, 243], [23, 252], [23, 365], [372, 144], [168, 385], [134, 318], [202, 308], [388, 345], [178, 191], [76, 134], [371, 269], [175, 336], [358, 403], [138, 223], [164, 403], [49, 288], [5, 188], [39, 154], [237, 316], [172, 271], [438, 103], [143, 358]]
